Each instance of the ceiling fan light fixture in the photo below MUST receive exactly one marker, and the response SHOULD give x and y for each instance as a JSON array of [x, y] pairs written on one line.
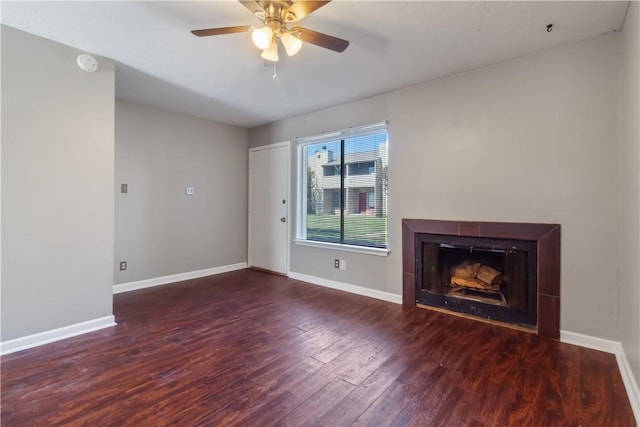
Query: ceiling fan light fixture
[[262, 37], [271, 52], [291, 43]]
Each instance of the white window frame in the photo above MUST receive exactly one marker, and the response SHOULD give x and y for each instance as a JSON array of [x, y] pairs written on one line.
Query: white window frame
[[301, 206]]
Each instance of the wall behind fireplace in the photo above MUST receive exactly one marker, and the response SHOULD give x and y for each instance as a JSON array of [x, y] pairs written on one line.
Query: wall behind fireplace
[[534, 139]]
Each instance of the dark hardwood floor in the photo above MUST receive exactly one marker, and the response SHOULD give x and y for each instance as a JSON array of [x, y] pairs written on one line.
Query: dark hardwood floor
[[253, 349]]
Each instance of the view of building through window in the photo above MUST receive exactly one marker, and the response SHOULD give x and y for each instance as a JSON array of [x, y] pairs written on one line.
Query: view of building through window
[[346, 191]]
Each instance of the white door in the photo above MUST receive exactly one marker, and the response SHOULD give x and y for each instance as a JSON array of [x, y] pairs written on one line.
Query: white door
[[269, 207]]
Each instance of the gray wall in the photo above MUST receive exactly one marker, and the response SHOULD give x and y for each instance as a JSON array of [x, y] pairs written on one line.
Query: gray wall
[[57, 186], [532, 139], [629, 298], [159, 230]]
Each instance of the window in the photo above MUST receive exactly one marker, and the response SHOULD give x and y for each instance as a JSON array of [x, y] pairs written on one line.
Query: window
[[371, 200], [330, 170], [360, 168], [343, 188], [336, 199]]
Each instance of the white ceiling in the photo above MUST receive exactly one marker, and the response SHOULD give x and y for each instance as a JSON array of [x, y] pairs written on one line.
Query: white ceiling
[[393, 44]]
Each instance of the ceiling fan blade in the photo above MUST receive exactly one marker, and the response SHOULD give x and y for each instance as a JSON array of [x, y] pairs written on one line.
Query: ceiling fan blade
[[303, 8], [223, 30], [253, 6], [320, 39]]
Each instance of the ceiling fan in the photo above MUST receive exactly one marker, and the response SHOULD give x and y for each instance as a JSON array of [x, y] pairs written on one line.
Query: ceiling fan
[[276, 16]]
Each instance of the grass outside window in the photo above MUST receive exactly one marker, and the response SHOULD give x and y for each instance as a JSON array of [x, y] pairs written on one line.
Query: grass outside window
[[326, 228]]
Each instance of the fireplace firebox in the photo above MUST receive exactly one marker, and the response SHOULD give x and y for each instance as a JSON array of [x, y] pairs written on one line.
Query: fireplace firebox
[[507, 272], [490, 278]]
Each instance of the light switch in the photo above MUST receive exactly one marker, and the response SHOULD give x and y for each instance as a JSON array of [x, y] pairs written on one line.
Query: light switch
[[123, 188]]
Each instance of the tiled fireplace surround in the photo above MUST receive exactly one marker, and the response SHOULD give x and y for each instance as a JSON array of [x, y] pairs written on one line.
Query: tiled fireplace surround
[[546, 236]]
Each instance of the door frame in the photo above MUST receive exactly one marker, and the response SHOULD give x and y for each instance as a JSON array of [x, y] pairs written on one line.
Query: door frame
[[252, 150]]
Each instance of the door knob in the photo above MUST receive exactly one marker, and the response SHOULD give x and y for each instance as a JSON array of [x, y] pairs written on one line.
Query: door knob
[[283, 219]]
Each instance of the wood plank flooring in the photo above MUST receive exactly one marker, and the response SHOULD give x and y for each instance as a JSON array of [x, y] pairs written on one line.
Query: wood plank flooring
[[249, 348]]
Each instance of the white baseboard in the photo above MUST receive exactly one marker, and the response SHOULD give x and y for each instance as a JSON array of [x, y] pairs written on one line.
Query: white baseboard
[[588, 341], [629, 382], [614, 347], [354, 289], [46, 337], [164, 280]]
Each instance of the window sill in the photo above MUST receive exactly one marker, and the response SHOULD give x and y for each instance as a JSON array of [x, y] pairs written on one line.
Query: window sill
[[339, 247]]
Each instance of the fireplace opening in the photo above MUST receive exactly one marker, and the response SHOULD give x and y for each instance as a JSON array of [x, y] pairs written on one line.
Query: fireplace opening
[[491, 278]]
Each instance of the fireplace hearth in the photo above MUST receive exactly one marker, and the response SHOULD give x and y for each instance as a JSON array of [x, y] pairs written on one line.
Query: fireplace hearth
[[507, 272]]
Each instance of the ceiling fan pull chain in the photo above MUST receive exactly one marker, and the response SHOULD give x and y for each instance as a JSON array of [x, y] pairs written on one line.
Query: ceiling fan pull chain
[[275, 68]]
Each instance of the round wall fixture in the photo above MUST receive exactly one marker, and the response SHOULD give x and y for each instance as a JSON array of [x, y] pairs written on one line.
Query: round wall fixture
[[87, 63]]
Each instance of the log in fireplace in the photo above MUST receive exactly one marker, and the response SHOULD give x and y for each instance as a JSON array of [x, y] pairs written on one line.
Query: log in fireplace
[[508, 272]]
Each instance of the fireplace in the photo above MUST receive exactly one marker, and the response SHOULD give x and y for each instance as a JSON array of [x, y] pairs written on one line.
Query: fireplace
[[507, 272]]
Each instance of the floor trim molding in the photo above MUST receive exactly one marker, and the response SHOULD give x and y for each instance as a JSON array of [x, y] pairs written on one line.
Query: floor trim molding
[[165, 280], [46, 337], [614, 347], [588, 341], [354, 289]]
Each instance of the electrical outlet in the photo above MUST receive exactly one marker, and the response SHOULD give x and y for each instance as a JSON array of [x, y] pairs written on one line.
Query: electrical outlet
[[336, 263], [123, 265], [343, 264], [189, 191]]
